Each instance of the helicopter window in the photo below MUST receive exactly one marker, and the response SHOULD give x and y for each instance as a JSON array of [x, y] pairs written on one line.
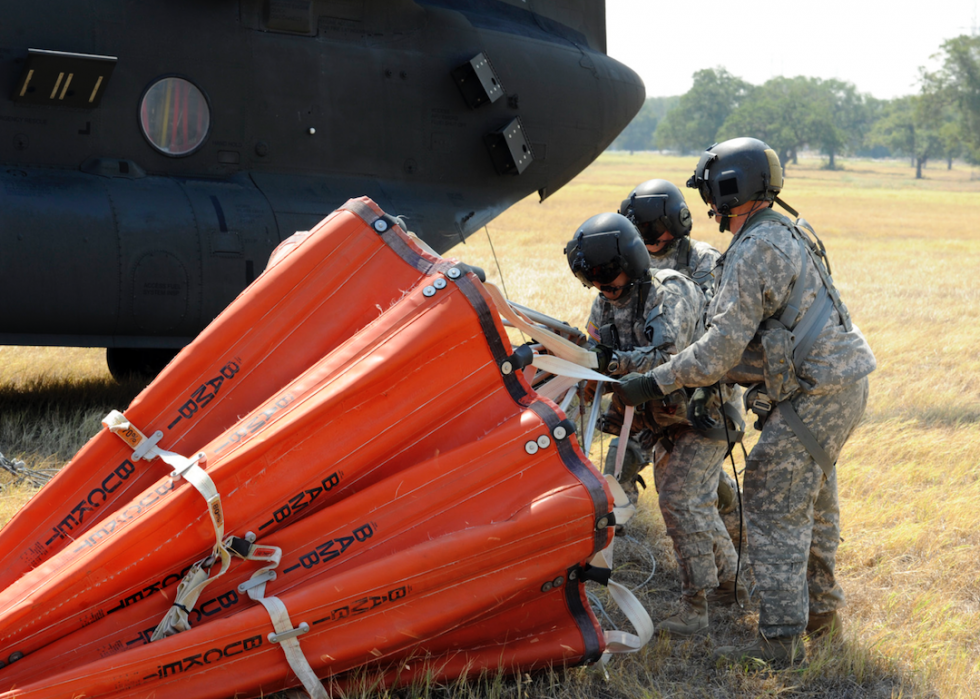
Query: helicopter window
[[174, 116]]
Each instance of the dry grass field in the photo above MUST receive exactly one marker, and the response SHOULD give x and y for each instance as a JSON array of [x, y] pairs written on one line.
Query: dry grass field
[[906, 256]]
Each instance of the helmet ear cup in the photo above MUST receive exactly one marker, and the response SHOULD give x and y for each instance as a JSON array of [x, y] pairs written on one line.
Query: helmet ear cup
[[685, 220], [737, 171], [775, 170], [678, 217]]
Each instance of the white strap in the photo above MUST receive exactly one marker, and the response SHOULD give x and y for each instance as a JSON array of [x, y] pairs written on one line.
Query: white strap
[[624, 438], [557, 387], [199, 575], [623, 509], [593, 415], [566, 349], [146, 448], [619, 642], [563, 367], [286, 635]]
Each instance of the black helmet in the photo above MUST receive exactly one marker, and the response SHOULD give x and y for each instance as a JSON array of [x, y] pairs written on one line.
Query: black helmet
[[604, 246], [657, 207], [737, 171]]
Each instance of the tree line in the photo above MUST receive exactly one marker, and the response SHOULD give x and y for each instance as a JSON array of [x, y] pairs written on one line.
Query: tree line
[[940, 122]]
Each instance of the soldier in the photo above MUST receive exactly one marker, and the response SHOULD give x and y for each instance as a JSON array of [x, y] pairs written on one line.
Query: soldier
[[777, 324], [654, 317], [658, 210]]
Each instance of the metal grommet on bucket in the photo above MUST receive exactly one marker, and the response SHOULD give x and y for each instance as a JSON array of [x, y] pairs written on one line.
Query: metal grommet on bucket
[[380, 225], [429, 291], [531, 447]]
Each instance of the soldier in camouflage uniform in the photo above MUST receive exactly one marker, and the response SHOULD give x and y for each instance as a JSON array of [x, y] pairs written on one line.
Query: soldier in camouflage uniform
[[655, 317], [777, 324], [659, 211], [662, 217]]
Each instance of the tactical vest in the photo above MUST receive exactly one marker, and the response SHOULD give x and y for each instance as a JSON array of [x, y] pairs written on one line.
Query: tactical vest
[[787, 339]]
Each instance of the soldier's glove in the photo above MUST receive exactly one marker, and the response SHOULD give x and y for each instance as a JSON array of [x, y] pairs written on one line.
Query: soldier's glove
[[636, 389], [697, 411], [605, 358], [602, 355]]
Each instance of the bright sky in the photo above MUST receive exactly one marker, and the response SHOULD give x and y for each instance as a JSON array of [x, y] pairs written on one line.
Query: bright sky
[[878, 46]]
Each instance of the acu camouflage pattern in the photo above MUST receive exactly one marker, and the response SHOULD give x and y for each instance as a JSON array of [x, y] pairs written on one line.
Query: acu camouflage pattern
[[687, 481], [687, 488], [792, 512], [758, 273], [791, 506], [694, 258]]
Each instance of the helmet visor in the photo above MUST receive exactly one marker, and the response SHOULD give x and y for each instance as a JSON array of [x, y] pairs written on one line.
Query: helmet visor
[[599, 274], [651, 231]]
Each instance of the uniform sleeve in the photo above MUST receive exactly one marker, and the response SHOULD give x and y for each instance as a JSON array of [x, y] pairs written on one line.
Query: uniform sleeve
[[670, 325], [742, 300], [595, 318]]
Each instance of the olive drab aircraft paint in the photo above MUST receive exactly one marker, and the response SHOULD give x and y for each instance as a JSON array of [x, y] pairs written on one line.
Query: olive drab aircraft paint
[[153, 154], [416, 507]]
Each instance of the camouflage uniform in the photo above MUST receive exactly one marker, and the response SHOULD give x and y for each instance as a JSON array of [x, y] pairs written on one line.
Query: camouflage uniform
[[694, 258], [699, 260], [671, 318], [791, 506]]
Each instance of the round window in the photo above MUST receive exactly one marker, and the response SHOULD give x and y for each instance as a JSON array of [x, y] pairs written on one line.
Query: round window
[[174, 116]]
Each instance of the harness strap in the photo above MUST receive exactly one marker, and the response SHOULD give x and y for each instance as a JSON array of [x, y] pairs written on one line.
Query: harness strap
[[805, 436], [720, 434], [792, 310], [808, 329]]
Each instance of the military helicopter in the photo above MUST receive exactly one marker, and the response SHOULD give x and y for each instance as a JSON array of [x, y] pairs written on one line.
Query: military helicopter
[[152, 154]]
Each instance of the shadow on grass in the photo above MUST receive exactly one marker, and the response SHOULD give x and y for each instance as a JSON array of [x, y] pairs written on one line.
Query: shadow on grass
[[43, 394], [45, 421]]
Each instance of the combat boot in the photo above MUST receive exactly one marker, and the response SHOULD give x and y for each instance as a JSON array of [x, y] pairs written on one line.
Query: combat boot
[[726, 595], [779, 651], [690, 620], [826, 624]]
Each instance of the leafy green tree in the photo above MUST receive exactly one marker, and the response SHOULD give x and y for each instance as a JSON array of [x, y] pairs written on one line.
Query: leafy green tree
[[638, 135], [911, 126], [958, 84], [845, 118], [791, 113], [786, 113], [693, 124]]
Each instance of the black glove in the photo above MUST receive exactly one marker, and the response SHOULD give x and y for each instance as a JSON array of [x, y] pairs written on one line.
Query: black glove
[[603, 355], [697, 411], [636, 389]]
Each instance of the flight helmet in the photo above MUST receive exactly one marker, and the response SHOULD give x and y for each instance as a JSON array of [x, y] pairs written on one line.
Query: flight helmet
[[657, 207], [604, 246], [736, 171]]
